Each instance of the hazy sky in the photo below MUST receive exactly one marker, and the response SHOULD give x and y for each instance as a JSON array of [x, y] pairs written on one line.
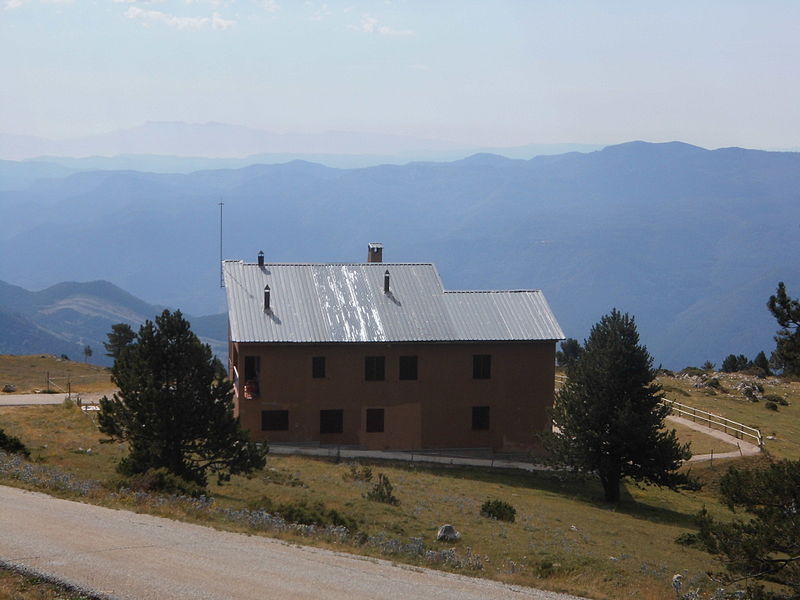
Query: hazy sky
[[713, 73]]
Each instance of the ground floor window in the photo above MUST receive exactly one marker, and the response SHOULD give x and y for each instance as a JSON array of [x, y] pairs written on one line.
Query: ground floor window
[[331, 421], [374, 420], [274, 420], [480, 418]]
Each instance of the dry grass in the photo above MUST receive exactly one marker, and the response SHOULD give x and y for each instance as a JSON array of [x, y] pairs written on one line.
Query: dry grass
[[701, 443], [783, 425], [565, 537], [29, 374], [16, 586]]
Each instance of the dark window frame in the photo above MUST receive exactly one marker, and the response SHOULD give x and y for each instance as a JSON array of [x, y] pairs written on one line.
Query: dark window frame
[[481, 418], [278, 422], [481, 366], [375, 420], [318, 367], [331, 421], [408, 368], [374, 368]]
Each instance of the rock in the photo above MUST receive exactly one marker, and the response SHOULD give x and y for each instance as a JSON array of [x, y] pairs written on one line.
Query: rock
[[447, 533], [8, 388]]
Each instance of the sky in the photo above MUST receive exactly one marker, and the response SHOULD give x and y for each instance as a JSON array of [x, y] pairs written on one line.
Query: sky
[[497, 73]]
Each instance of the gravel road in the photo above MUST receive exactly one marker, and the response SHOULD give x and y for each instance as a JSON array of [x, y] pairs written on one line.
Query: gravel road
[[124, 555]]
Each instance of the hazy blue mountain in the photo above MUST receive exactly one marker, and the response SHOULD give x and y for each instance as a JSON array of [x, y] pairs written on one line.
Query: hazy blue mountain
[[218, 140], [18, 176], [66, 317], [690, 241]]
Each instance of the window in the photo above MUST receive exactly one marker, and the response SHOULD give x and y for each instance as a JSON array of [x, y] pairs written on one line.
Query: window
[[318, 367], [251, 367], [408, 367], [274, 420], [374, 420], [481, 366], [480, 418], [375, 368], [331, 421]]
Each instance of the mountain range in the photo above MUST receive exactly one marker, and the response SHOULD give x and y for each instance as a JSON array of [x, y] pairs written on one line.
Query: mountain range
[[690, 241], [65, 318], [182, 147]]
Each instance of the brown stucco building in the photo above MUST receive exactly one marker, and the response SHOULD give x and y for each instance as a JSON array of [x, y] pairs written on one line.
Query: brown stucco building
[[380, 356]]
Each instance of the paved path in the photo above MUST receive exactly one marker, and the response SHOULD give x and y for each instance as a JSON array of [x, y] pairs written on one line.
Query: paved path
[[128, 556], [34, 399], [744, 448]]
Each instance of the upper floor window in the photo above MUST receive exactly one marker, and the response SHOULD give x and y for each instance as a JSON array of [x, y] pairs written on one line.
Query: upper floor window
[[252, 366], [481, 366], [375, 368], [318, 367], [408, 367]]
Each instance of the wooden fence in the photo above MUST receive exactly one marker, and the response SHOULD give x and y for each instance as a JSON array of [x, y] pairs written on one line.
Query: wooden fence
[[709, 419], [715, 421]]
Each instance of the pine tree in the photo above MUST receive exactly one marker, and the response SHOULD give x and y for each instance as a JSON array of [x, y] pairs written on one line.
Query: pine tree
[[119, 337], [762, 363], [787, 312], [174, 409], [571, 351], [608, 415], [766, 547]]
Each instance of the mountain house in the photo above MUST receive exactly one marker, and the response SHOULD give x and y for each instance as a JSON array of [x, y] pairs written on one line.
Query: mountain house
[[380, 356]]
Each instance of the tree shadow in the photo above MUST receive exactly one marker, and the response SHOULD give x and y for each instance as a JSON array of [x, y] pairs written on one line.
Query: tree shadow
[[582, 488]]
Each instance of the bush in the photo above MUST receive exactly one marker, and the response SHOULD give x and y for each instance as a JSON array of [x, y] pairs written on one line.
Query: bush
[[13, 445], [497, 509], [303, 513], [162, 480], [693, 372], [358, 473], [771, 406], [776, 399], [382, 491]]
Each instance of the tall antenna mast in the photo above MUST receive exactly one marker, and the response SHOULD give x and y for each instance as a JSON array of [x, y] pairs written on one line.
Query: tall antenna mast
[[221, 274]]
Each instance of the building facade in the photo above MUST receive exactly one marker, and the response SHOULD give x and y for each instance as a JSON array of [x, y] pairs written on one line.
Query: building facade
[[378, 355]]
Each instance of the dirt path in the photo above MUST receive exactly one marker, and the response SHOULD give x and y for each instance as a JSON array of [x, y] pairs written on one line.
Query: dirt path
[[128, 556], [744, 448], [34, 399]]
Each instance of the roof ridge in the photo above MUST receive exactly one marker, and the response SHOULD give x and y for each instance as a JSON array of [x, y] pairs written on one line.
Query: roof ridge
[[492, 291]]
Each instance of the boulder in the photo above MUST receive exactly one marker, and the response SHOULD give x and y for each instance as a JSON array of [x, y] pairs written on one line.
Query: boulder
[[447, 533], [9, 389]]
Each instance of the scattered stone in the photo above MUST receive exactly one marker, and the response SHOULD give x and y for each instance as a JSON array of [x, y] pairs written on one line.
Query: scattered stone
[[447, 533], [750, 390], [9, 389]]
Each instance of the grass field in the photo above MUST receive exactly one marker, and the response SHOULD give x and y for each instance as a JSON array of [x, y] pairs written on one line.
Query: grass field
[[783, 425], [565, 538], [40, 372]]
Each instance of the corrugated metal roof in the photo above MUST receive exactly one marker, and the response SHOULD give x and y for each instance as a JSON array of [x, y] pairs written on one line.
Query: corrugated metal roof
[[346, 303]]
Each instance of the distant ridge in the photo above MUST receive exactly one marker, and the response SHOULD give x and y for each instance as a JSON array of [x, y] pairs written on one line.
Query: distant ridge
[[690, 241], [66, 317]]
